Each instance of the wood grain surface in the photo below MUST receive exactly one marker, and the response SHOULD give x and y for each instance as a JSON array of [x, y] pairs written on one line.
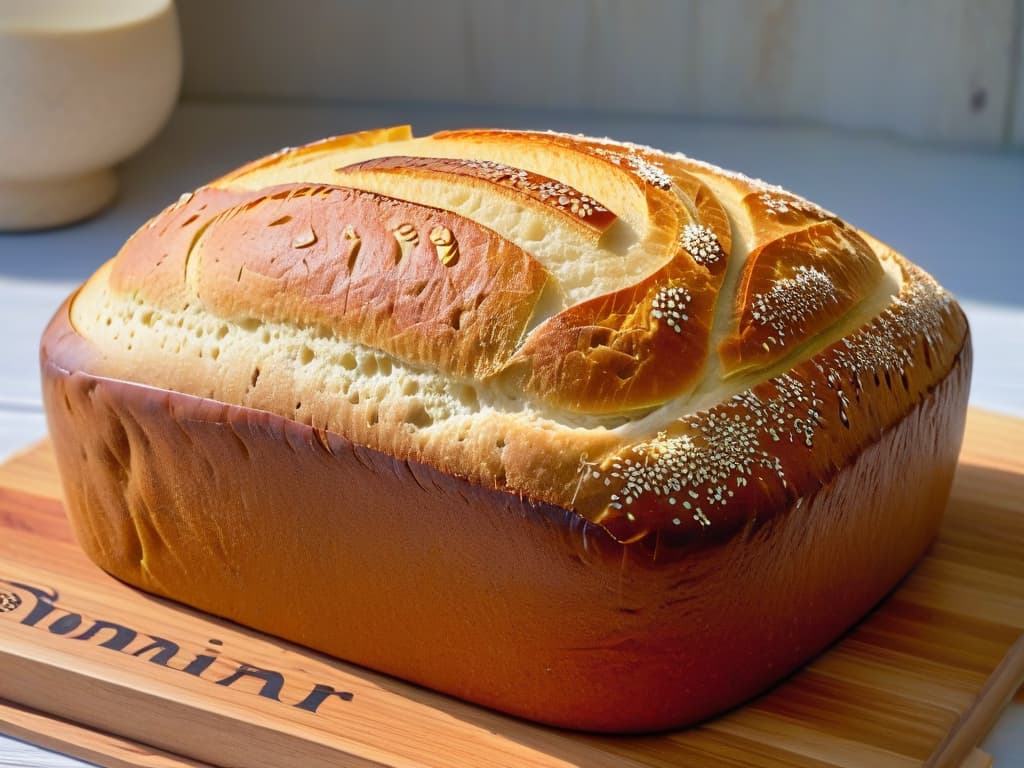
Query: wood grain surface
[[97, 669]]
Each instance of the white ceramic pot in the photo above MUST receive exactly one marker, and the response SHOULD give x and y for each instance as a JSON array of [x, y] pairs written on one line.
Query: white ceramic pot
[[83, 85]]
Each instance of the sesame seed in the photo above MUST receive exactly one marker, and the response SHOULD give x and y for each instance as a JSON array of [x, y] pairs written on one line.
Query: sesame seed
[[669, 304], [698, 461], [792, 300], [701, 243]]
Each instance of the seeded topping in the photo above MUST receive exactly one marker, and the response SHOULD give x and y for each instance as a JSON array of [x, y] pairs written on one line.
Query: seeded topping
[[918, 313], [670, 305], [701, 243], [512, 283], [544, 189], [700, 464], [779, 202], [793, 300], [716, 455], [550, 192], [774, 204], [648, 171], [622, 153]]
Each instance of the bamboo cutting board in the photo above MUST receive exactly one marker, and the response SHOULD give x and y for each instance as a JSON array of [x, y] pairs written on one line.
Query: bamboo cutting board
[[95, 668]]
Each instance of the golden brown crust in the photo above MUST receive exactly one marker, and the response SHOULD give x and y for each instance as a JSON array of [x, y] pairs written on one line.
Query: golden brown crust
[[407, 328], [762, 450], [330, 145], [429, 287], [485, 595], [497, 178], [693, 415], [611, 353], [792, 289], [152, 263], [424, 285], [608, 354]]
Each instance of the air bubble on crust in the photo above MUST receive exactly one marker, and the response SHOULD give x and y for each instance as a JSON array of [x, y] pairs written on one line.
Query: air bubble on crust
[[368, 365], [372, 414], [468, 396], [417, 416]]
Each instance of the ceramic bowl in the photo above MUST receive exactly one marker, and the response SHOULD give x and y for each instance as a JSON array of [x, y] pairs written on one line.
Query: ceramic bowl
[[83, 85]]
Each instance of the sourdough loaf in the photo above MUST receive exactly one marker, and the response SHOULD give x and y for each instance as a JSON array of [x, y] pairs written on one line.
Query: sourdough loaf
[[587, 432]]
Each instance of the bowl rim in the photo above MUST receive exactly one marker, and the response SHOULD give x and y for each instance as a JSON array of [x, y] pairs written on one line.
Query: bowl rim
[[65, 18]]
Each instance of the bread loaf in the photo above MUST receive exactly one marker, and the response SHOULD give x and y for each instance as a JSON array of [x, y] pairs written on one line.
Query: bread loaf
[[579, 430]]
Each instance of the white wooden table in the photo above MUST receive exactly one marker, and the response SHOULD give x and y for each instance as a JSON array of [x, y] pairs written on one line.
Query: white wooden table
[[956, 212]]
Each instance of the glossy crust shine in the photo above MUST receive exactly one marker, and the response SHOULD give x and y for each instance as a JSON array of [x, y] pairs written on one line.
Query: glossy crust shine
[[627, 435]]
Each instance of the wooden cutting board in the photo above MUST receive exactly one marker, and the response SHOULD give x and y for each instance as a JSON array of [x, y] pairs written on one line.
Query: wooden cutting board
[[95, 668]]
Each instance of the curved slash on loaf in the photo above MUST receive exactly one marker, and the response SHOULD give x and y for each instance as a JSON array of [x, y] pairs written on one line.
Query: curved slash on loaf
[[669, 330], [646, 342], [609, 420], [363, 267], [763, 450]]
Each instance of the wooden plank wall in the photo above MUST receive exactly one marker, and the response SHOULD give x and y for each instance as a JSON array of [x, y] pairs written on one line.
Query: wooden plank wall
[[930, 69]]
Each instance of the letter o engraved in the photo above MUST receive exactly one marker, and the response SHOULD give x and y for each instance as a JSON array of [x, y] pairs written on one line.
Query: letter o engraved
[[9, 601]]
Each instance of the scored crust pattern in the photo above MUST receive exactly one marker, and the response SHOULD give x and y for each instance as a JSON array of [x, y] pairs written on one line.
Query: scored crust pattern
[[670, 349]]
